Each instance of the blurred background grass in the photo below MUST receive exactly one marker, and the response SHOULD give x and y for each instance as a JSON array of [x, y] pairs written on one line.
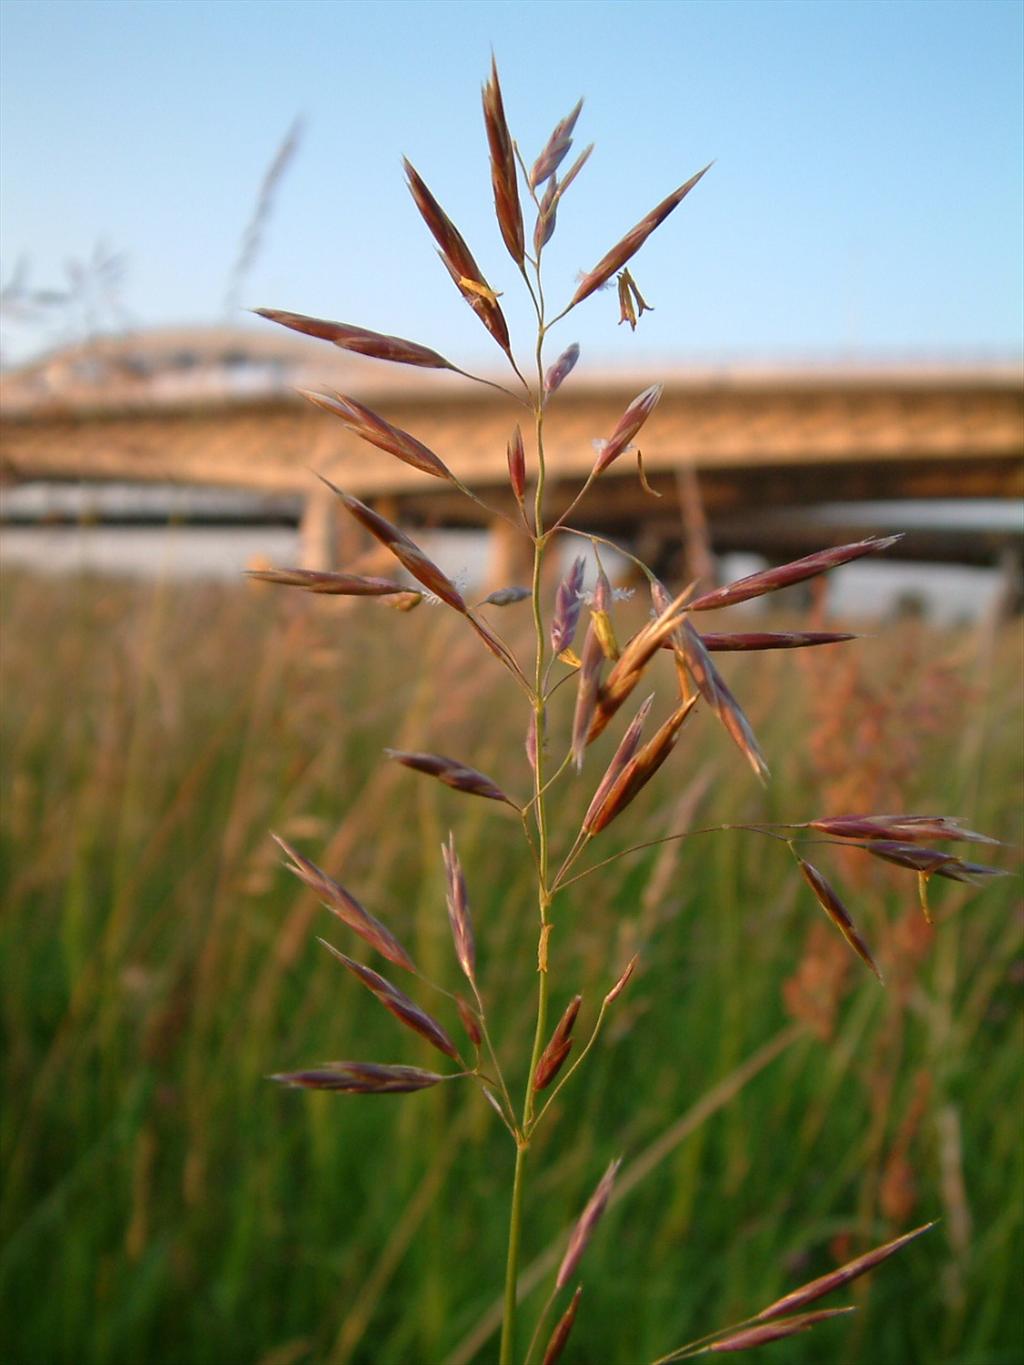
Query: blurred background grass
[[164, 1203]]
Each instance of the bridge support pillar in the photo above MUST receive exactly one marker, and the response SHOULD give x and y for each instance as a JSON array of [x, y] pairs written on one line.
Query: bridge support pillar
[[509, 557], [318, 530]]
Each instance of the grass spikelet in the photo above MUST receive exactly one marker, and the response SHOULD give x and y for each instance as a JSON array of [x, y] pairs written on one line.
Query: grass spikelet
[[907, 829], [623, 250], [452, 773], [458, 909], [785, 575], [760, 639], [568, 603], [377, 431], [517, 464], [557, 147], [623, 980], [587, 1222], [359, 340], [342, 903], [777, 1331], [638, 771], [837, 913], [504, 175], [360, 1078], [561, 369], [836, 1279], [559, 1046], [406, 1011], [559, 1337], [591, 663], [330, 584], [622, 756], [458, 259], [405, 550], [627, 426]]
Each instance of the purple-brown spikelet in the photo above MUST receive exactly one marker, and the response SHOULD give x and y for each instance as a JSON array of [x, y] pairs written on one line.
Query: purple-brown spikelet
[[504, 176], [837, 912], [750, 1337], [406, 1011], [561, 369], [557, 147], [627, 747], [377, 345], [713, 688], [568, 603], [405, 550], [638, 771], [634, 658], [901, 828], [458, 259], [458, 909], [836, 1279], [505, 597], [360, 1078], [377, 431], [559, 1046], [559, 1337], [587, 1222], [547, 216], [761, 639], [623, 250], [452, 773], [623, 980], [591, 663], [331, 584], [785, 575], [627, 426], [517, 464], [930, 861], [470, 1021], [343, 904]]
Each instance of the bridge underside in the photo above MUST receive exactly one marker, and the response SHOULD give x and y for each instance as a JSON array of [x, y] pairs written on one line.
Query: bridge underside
[[734, 455]]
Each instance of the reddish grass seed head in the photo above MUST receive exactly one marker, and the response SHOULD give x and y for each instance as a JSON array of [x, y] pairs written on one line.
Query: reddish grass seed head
[[452, 773], [837, 912], [587, 1222], [559, 1337], [517, 464], [342, 903], [568, 603], [406, 1011], [336, 584], [899, 828], [836, 1279], [458, 909], [561, 369], [559, 1046], [405, 550], [504, 174], [360, 1078], [623, 250], [377, 431], [458, 259], [627, 427], [556, 148], [377, 345], [785, 575], [750, 1337]]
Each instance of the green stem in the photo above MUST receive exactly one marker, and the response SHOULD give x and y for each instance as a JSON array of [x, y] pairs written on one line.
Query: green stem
[[508, 1333]]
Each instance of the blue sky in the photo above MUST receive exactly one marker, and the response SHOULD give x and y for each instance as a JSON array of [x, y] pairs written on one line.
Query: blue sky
[[866, 194]]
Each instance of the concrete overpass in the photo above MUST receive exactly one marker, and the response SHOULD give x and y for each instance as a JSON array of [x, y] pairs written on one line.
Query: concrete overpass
[[741, 448]]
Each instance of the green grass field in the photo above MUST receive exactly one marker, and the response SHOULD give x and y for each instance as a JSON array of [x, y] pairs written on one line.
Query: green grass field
[[777, 1110]]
